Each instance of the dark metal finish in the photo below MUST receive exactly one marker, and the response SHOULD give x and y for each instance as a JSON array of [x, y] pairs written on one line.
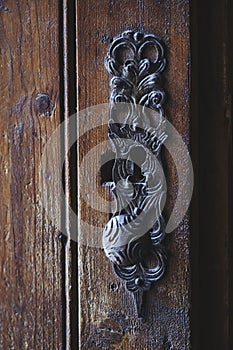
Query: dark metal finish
[[132, 238]]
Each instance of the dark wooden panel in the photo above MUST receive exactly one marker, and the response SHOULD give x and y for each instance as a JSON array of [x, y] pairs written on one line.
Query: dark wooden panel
[[30, 252], [214, 172], [107, 314]]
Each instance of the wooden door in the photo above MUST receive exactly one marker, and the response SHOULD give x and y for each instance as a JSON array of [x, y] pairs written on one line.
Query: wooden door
[[58, 290], [31, 253], [107, 312]]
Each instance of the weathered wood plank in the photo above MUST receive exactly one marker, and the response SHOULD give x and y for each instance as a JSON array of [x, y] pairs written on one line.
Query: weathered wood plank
[[215, 174], [108, 317], [30, 252]]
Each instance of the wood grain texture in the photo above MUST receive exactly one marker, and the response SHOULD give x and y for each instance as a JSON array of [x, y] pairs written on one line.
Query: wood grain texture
[[30, 251], [107, 313]]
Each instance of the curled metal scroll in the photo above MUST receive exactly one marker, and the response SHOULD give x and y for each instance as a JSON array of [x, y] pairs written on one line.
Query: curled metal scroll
[[132, 239]]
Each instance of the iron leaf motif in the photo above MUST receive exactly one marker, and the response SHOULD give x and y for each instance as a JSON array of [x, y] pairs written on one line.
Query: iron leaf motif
[[132, 239]]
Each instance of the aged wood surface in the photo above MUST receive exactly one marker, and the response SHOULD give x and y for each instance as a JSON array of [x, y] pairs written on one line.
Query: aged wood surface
[[30, 251], [107, 313], [214, 173]]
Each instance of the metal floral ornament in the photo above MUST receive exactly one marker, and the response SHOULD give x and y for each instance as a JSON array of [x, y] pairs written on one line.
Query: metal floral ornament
[[135, 232]]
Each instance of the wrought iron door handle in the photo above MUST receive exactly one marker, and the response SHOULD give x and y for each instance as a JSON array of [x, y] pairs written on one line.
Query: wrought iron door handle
[[132, 239]]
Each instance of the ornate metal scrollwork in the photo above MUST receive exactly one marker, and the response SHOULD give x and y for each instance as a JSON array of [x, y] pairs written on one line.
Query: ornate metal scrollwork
[[132, 239]]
